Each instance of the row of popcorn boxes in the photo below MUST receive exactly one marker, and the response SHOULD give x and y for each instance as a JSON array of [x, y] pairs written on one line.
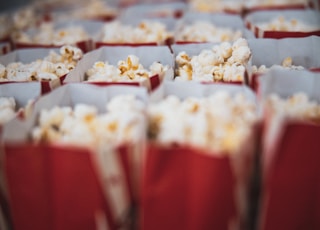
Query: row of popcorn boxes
[[242, 61], [192, 28], [200, 142], [32, 14]]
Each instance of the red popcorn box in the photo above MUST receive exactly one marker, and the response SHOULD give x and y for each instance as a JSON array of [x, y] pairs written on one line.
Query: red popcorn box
[[195, 49], [27, 57], [129, 30], [70, 186], [279, 24], [204, 27], [155, 10], [110, 56], [188, 187], [56, 34], [281, 54], [290, 185]]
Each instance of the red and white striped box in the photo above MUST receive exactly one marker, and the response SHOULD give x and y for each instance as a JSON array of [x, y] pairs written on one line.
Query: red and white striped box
[[71, 186], [308, 20], [290, 174]]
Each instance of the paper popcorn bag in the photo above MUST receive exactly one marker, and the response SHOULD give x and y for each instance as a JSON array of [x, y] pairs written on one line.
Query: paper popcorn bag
[[204, 27], [190, 187], [279, 24], [282, 55], [70, 186], [290, 186], [100, 60], [78, 33], [130, 30], [41, 65]]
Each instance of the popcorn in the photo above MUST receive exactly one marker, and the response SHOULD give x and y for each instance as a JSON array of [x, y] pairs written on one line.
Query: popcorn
[[123, 122], [286, 64], [224, 62], [48, 35], [284, 24], [51, 67], [7, 109], [129, 70], [202, 31], [145, 32], [297, 106], [219, 123]]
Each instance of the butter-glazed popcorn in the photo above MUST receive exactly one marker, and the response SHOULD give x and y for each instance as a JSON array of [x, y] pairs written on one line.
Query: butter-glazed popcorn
[[286, 64], [48, 35], [7, 109], [218, 123], [129, 70], [281, 23], [203, 31], [51, 67], [123, 122], [145, 32], [224, 62], [298, 107]]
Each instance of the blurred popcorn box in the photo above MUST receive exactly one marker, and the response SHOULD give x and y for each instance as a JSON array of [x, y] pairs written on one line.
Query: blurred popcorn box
[[290, 183], [213, 28], [208, 6], [288, 53], [129, 30], [175, 192], [24, 95], [284, 23], [51, 34], [147, 56], [253, 5], [194, 49], [29, 55], [155, 10], [5, 47], [94, 10], [70, 186]]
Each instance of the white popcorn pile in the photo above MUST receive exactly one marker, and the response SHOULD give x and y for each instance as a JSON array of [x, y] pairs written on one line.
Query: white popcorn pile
[[7, 109], [145, 32], [224, 62], [51, 67], [204, 31], [129, 70], [122, 123], [219, 123], [46, 34], [286, 64], [25, 17], [297, 106], [289, 25]]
